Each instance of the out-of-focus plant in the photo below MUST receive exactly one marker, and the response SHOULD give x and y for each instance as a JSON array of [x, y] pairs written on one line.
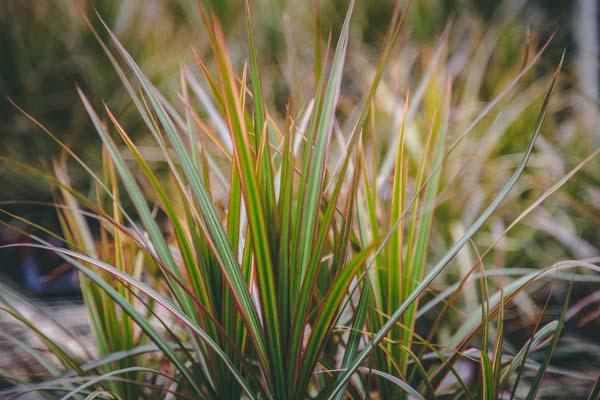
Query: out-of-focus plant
[[49, 49]]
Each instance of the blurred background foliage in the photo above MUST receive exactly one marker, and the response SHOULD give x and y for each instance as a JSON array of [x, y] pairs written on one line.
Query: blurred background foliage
[[48, 50]]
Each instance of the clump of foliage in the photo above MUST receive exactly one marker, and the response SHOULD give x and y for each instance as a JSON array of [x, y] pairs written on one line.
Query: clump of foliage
[[288, 256]]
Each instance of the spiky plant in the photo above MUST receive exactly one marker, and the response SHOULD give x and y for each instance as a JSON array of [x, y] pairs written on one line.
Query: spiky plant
[[277, 256]]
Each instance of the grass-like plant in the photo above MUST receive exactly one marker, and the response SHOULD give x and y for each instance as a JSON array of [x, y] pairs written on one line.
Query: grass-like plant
[[279, 257]]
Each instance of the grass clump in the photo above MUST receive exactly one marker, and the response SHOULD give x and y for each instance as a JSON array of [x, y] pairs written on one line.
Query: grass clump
[[289, 256]]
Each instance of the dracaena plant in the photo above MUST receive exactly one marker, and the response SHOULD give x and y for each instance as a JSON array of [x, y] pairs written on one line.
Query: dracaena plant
[[263, 261]]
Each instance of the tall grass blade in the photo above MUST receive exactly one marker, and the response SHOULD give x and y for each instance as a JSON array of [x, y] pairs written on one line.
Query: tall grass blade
[[443, 262]]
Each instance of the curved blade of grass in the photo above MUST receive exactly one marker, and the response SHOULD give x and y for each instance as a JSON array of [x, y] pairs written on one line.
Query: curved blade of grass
[[217, 236], [396, 381], [550, 352], [182, 240], [65, 358], [46, 362], [519, 359], [9, 297], [98, 393], [469, 326], [73, 155], [72, 258], [595, 392], [107, 376], [160, 245], [490, 105], [154, 335], [445, 260], [121, 355], [52, 181]]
